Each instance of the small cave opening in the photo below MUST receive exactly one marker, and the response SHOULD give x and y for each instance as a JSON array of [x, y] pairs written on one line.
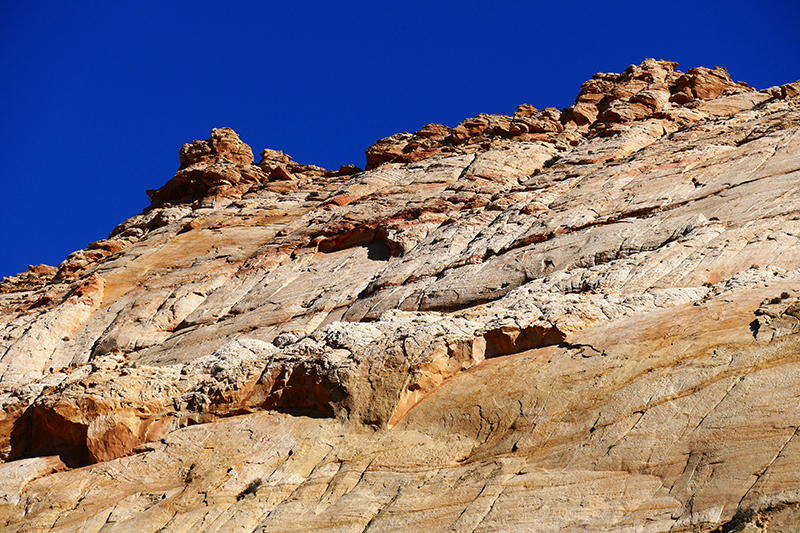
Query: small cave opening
[[304, 390], [372, 240], [41, 432], [512, 340], [377, 251]]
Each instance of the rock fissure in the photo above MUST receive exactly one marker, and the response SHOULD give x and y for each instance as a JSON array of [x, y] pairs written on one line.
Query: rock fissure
[[737, 380], [759, 475]]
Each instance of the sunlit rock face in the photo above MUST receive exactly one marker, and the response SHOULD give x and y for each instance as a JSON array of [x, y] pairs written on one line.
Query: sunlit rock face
[[574, 320]]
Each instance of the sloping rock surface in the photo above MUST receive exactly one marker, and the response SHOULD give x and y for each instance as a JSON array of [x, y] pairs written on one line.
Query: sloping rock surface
[[571, 320]]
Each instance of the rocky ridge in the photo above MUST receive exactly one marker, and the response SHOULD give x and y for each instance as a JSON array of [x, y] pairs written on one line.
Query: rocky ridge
[[556, 320]]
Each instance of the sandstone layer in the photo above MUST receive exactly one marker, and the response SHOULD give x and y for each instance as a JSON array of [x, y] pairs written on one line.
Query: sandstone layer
[[586, 319]]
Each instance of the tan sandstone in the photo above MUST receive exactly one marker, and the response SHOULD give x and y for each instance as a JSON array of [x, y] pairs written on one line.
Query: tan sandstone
[[576, 320]]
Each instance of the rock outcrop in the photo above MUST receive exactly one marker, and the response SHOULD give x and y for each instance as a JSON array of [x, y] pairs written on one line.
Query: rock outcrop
[[573, 320]]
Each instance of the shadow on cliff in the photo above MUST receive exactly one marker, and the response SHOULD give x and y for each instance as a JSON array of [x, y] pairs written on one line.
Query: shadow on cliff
[[40, 433], [512, 340]]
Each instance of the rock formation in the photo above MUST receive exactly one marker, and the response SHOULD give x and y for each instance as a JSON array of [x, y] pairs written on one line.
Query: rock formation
[[576, 320]]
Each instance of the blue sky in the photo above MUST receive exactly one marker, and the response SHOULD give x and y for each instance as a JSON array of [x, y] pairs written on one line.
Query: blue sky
[[98, 97]]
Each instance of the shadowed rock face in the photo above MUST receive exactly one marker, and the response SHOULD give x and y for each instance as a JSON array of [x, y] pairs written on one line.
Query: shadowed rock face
[[568, 320]]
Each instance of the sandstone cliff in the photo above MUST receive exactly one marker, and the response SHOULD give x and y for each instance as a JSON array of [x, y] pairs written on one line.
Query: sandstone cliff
[[571, 320]]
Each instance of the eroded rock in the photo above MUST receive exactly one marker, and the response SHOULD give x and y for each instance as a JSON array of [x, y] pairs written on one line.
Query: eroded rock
[[577, 320]]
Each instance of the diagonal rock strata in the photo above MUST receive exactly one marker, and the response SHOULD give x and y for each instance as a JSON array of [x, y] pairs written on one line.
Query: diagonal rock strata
[[557, 320]]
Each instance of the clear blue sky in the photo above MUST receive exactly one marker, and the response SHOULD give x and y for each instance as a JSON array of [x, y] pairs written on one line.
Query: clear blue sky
[[97, 98]]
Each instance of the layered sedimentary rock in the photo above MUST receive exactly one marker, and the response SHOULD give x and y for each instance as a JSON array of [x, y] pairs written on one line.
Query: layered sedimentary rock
[[568, 320]]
